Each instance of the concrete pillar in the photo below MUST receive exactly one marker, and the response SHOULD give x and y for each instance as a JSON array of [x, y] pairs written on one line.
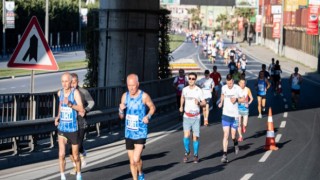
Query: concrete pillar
[[128, 40]]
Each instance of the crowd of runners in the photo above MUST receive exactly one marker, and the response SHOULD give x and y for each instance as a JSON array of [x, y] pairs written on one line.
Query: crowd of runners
[[194, 97], [233, 96]]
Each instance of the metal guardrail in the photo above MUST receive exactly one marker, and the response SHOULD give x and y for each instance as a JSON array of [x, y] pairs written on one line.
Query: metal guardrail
[[17, 131], [16, 126]]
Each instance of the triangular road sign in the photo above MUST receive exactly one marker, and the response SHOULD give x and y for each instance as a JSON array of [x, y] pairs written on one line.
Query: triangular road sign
[[32, 51]]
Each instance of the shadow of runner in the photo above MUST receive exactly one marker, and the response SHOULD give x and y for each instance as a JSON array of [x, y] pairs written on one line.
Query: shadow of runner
[[257, 151], [126, 162], [148, 170], [202, 172]]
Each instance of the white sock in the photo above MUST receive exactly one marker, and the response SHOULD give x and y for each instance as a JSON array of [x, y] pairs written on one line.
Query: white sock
[[78, 173]]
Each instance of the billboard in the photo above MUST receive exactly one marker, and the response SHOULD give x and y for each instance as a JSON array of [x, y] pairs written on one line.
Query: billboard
[[276, 29], [312, 26]]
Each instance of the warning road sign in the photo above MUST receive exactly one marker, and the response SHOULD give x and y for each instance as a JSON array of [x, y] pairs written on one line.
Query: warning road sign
[[33, 52]]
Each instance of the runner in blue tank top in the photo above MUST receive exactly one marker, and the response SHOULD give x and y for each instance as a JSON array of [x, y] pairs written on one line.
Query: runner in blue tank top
[[69, 104], [262, 85], [133, 109]]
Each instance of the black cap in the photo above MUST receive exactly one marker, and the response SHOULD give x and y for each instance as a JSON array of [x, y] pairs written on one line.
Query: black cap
[[206, 72]]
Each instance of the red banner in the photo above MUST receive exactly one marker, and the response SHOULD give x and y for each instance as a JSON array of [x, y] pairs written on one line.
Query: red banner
[[312, 26], [258, 23], [276, 30]]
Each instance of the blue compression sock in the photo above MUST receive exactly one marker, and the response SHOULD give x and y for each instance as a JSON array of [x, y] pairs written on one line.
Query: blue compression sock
[[195, 147], [186, 142]]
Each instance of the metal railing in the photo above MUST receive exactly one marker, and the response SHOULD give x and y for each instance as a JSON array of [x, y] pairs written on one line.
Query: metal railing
[[16, 127]]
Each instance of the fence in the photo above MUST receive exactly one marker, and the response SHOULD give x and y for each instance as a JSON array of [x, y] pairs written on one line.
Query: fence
[[296, 38], [28, 117]]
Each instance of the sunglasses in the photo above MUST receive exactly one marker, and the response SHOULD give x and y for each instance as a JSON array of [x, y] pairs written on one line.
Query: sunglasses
[[192, 79]]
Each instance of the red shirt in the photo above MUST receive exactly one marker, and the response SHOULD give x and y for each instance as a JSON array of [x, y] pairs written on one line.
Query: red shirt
[[216, 78]]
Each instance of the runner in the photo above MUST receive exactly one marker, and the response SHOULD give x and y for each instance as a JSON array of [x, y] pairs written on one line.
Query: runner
[[207, 85], [216, 76], [271, 71], [295, 82], [277, 77], [192, 98], [69, 104], [262, 85], [179, 83], [229, 99], [133, 106], [243, 63], [245, 92], [88, 103], [232, 67]]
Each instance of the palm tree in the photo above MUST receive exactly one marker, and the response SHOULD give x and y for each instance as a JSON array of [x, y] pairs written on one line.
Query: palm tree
[[222, 18], [195, 17]]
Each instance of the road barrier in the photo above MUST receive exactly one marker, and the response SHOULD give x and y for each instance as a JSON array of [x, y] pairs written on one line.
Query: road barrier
[[27, 118]]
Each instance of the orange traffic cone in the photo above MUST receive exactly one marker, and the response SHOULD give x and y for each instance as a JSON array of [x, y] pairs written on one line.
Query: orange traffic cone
[[270, 140]]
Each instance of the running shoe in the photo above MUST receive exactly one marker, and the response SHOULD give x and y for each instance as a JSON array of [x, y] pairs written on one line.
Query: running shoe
[[63, 177], [73, 171], [236, 149], [83, 161], [186, 156], [260, 116], [141, 177], [224, 159], [240, 139], [79, 177], [195, 159], [244, 129]]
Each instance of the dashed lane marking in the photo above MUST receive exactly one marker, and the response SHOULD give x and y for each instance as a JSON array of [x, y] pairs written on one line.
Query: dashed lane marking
[[278, 137], [285, 114], [247, 176], [265, 156], [283, 124]]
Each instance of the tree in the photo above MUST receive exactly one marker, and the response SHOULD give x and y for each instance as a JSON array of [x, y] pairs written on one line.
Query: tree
[[222, 18], [196, 21]]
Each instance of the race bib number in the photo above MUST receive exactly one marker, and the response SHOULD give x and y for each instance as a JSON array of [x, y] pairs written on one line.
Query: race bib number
[[66, 114], [132, 122]]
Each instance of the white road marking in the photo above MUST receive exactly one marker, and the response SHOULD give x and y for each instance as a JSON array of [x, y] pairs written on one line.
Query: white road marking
[[285, 114], [247, 176], [103, 137], [278, 137], [91, 140], [284, 100], [283, 124], [95, 157], [265, 156]]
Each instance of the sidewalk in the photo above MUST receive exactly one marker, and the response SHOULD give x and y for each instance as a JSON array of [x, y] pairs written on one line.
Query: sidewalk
[[264, 55]]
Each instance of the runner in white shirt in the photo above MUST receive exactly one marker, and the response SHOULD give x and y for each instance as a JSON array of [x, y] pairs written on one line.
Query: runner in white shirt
[[230, 96], [207, 85], [192, 98]]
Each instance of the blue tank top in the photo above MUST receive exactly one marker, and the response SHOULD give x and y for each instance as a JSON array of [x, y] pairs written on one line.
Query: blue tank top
[[136, 110], [262, 85], [68, 116]]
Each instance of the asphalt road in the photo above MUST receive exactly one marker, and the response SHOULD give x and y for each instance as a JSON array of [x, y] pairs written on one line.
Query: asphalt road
[[297, 136]]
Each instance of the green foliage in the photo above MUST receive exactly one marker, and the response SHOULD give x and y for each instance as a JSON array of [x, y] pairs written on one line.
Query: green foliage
[[244, 12], [164, 46], [92, 49], [195, 17]]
